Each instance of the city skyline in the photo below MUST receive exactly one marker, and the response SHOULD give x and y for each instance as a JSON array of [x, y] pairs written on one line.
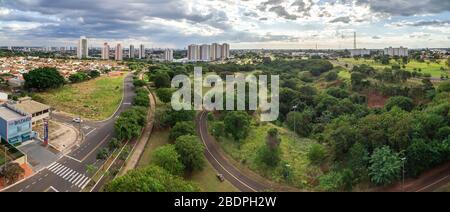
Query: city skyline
[[251, 24]]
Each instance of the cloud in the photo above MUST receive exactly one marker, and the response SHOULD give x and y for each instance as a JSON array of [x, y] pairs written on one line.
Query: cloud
[[376, 37], [344, 19], [407, 8], [422, 23], [281, 12]]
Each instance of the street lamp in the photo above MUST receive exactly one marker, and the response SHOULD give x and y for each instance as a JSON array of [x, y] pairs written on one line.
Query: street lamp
[[295, 127], [403, 173]]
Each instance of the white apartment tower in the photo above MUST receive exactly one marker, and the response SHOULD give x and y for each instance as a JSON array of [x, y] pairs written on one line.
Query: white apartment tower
[[141, 51], [193, 52], [205, 52], [119, 52], [82, 50], [105, 51], [216, 51], [168, 55], [131, 53], [401, 52], [225, 51]]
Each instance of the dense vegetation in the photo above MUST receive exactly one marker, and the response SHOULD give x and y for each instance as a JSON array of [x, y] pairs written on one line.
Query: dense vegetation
[[43, 79]]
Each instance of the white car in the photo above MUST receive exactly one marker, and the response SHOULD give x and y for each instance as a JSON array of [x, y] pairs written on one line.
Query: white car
[[77, 120]]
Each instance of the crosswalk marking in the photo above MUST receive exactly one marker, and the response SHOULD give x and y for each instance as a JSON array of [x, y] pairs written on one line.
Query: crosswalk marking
[[77, 179]]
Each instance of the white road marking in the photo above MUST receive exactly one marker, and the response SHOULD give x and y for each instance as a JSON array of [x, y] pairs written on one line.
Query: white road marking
[[90, 131]]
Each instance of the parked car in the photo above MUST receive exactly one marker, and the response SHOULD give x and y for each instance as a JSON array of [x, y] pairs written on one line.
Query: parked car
[[77, 120], [220, 177]]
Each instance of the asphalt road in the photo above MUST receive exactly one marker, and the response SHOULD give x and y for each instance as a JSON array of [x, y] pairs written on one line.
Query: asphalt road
[[220, 164], [69, 173]]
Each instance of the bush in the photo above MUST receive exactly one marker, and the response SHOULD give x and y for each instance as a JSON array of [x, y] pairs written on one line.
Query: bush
[[164, 94], [78, 77], [385, 166], [331, 76], [102, 154], [218, 129], [444, 86], [402, 102], [317, 154]]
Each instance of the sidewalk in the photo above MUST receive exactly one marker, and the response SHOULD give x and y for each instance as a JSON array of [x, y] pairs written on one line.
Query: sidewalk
[[140, 146]]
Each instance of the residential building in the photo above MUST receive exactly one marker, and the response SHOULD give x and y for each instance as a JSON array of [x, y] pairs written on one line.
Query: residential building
[[105, 51], [216, 51], [168, 55], [193, 52], [205, 52], [83, 49], [119, 52], [141, 51], [131, 52], [401, 52], [225, 51], [359, 52]]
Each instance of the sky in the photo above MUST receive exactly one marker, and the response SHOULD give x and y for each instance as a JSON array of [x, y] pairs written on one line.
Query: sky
[[255, 24]]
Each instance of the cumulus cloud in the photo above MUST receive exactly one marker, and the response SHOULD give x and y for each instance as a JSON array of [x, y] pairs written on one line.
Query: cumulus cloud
[[407, 8]]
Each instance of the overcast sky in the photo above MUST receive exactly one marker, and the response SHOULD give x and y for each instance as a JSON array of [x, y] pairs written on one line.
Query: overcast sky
[[242, 23]]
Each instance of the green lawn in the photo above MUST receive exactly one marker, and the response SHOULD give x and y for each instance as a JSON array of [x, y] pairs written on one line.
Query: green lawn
[[205, 179], [294, 152], [2, 159], [427, 67], [95, 99]]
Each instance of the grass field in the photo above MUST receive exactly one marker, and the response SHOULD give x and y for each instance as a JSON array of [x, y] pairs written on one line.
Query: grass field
[[427, 67], [294, 152], [2, 159], [94, 99], [205, 179]]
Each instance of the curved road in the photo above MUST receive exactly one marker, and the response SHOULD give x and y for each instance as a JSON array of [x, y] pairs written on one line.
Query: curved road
[[222, 165], [69, 173]]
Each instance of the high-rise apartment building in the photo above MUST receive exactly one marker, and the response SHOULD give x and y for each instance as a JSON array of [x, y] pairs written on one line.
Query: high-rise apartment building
[[225, 51], [216, 51], [401, 52], [193, 52], [131, 52], [105, 51], [83, 49], [141, 51], [205, 52], [168, 55], [119, 52]]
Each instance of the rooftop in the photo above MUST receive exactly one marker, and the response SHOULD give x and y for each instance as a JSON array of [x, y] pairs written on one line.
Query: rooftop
[[8, 114], [31, 107]]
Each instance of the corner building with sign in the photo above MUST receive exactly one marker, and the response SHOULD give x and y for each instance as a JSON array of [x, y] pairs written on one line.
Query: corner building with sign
[[15, 125]]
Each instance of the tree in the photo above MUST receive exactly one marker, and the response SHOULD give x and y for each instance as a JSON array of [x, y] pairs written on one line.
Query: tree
[[317, 154], [331, 76], [161, 80], [182, 128], [172, 117], [419, 157], [139, 83], [12, 172], [270, 154], [358, 159], [114, 144], [191, 152], [385, 166], [218, 129], [301, 123], [237, 123], [164, 94], [130, 123], [402, 102], [43, 79], [150, 179], [168, 158]]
